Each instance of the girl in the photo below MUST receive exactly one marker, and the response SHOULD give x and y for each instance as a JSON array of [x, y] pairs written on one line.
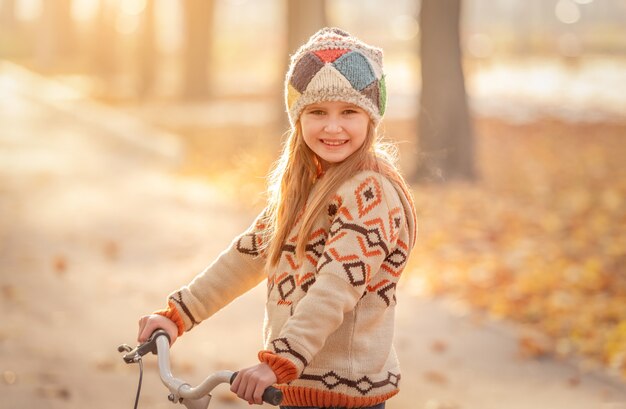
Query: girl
[[332, 242]]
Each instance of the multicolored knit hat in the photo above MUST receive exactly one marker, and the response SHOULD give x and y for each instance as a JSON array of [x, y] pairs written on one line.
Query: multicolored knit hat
[[335, 66]]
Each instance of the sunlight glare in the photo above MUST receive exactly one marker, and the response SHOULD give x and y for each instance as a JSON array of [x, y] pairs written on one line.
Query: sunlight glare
[[567, 11], [132, 7], [129, 18], [27, 10], [480, 45], [84, 10], [127, 23], [405, 27], [169, 17]]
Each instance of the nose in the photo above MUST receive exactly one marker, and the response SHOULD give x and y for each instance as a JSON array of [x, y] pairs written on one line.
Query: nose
[[333, 126]]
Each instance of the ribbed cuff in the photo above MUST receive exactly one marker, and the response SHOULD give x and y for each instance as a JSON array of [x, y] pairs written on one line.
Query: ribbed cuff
[[284, 369], [172, 313]]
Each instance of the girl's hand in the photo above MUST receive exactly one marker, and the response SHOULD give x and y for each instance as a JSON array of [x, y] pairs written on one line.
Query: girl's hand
[[150, 323], [250, 383]]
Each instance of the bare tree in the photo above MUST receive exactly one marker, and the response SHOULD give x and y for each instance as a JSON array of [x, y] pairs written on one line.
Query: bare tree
[[104, 42], [9, 28], [147, 51], [199, 41], [446, 140], [55, 40], [7, 14], [303, 19]]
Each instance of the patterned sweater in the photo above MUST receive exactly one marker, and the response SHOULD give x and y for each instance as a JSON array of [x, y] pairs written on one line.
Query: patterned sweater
[[329, 319]]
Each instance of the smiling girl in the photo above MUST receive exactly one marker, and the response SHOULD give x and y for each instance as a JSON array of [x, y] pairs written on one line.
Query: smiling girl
[[332, 242]]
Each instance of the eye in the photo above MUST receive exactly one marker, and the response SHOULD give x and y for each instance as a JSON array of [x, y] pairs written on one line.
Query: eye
[[350, 111], [316, 112]]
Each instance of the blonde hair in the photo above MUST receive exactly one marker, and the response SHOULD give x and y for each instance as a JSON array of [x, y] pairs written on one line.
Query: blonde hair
[[297, 171]]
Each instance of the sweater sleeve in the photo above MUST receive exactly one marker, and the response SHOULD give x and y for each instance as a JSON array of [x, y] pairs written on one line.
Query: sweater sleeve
[[361, 236], [237, 269]]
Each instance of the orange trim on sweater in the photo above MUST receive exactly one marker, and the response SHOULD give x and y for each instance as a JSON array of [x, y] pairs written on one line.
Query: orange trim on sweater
[[284, 369], [302, 396], [172, 313]]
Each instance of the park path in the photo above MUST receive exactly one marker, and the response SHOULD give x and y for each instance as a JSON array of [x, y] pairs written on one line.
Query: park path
[[96, 228]]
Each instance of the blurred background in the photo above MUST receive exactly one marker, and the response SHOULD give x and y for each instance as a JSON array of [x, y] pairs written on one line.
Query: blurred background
[[123, 123]]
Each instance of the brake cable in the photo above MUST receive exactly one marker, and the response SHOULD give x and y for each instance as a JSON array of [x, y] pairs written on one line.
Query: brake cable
[[133, 356], [139, 384]]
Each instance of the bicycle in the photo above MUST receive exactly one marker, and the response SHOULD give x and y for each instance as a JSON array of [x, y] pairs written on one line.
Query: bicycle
[[197, 397]]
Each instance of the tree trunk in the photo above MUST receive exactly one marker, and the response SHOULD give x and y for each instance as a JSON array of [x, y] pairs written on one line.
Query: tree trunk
[[446, 140], [7, 15], [147, 51], [104, 43], [9, 30], [304, 18], [55, 41], [198, 30]]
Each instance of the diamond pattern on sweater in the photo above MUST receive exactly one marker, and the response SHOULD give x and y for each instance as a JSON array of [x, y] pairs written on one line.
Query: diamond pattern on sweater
[[286, 287], [305, 281], [178, 299], [396, 260], [316, 248], [353, 257], [331, 380], [357, 272], [371, 235], [248, 244], [388, 293], [368, 195], [363, 385], [335, 204], [281, 345]]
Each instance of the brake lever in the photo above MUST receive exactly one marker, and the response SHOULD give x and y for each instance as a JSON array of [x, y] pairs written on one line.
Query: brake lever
[[134, 355]]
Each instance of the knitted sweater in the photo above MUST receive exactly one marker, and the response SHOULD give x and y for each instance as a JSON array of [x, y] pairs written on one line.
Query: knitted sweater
[[329, 319]]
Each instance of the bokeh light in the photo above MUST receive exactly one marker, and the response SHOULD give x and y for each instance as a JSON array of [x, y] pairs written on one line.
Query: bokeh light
[[567, 11]]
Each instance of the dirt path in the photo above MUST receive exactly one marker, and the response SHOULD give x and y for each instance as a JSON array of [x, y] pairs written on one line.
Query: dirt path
[[96, 229]]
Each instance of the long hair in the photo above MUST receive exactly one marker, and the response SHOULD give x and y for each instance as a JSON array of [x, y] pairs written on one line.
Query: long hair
[[294, 176]]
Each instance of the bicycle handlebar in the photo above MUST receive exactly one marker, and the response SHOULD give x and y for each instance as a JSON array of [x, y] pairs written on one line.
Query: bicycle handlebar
[[159, 344]]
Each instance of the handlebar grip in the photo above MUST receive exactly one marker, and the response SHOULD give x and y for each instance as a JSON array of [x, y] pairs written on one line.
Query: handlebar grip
[[135, 354], [271, 395]]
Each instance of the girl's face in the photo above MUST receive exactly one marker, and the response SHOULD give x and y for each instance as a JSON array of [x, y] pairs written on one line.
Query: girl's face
[[334, 130]]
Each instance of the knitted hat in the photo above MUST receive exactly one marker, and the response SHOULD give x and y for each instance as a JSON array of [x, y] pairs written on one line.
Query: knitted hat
[[335, 66]]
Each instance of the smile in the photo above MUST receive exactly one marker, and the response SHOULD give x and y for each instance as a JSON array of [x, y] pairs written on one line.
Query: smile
[[330, 142]]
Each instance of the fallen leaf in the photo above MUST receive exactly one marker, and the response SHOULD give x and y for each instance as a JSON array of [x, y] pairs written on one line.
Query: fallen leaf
[[54, 392], [111, 250], [439, 346], [536, 241], [532, 347], [9, 377], [9, 292], [59, 264], [436, 377], [573, 381]]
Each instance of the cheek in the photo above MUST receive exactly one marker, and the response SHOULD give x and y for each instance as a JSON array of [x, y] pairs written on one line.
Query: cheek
[[360, 133], [308, 139], [309, 130]]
